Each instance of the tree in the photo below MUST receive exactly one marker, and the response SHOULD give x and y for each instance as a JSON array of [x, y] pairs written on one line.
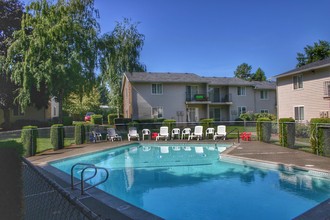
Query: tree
[[57, 46], [10, 20], [78, 104], [319, 51], [243, 71], [120, 52], [259, 75]]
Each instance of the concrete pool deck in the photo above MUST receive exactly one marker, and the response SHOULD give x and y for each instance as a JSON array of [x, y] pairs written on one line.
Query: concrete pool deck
[[246, 150]]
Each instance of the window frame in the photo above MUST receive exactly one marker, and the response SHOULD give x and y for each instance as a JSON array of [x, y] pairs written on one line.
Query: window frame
[[298, 82], [264, 111], [299, 115], [240, 90], [160, 114], [158, 86], [264, 94], [239, 110]]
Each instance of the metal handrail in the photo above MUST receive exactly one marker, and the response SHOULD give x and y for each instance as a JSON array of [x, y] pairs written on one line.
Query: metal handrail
[[238, 136], [82, 179]]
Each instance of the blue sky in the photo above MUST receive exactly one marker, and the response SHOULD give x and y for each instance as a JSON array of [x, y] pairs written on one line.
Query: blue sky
[[213, 37]]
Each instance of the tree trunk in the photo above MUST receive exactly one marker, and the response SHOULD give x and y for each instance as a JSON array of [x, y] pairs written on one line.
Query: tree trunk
[[60, 105], [6, 116]]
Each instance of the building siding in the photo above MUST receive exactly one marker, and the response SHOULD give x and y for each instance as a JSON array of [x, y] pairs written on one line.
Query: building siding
[[310, 96]]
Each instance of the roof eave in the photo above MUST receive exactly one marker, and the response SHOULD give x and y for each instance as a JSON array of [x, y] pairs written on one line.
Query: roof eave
[[301, 71]]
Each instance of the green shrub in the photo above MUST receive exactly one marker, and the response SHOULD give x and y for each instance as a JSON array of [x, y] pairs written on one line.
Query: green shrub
[[264, 129], [265, 115], [248, 116], [29, 139], [97, 119], [317, 137], [170, 123], [57, 136], [287, 132], [79, 133], [67, 120], [207, 123], [111, 118], [302, 130]]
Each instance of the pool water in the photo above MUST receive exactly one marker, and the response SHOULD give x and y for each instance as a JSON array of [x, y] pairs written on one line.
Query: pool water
[[184, 181]]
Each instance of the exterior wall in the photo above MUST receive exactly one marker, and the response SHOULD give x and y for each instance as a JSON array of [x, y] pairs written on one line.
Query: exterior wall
[[30, 113], [247, 101], [172, 100], [127, 99], [310, 96], [269, 104]]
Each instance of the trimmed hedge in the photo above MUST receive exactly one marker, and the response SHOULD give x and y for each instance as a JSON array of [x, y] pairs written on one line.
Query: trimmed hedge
[[111, 118], [29, 139], [97, 119], [57, 136], [264, 129], [287, 132], [317, 138], [170, 123], [67, 120], [79, 133], [207, 123]]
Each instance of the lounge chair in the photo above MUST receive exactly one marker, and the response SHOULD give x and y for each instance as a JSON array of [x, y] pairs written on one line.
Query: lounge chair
[[221, 132], [146, 132], [209, 132], [175, 132], [185, 132], [163, 133], [198, 133], [112, 135], [132, 133]]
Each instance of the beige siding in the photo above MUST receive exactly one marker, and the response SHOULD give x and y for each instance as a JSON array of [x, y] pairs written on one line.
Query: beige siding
[[311, 96]]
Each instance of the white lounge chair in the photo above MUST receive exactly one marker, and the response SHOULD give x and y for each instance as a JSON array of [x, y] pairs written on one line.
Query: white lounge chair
[[175, 132], [209, 132], [132, 133], [198, 133], [146, 132], [220, 133], [163, 133], [185, 132], [112, 135]]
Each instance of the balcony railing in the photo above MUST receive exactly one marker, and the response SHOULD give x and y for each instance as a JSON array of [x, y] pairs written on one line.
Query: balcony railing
[[196, 97], [220, 99], [210, 98]]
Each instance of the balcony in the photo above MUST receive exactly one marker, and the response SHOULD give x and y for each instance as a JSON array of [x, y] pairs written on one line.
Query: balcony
[[197, 99], [223, 99]]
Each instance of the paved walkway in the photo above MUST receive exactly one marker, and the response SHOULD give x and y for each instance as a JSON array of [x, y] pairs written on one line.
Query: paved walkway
[[246, 150]]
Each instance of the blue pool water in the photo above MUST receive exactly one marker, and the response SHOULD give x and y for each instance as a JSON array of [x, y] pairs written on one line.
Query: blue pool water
[[191, 182]]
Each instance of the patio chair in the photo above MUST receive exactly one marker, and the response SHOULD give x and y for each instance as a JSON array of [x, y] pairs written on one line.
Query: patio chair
[[175, 132], [221, 132], [146, 132], [198, 133], [112, 135], [96, 136], [132, 133], [163, 133], [209, 132], [185, 132]]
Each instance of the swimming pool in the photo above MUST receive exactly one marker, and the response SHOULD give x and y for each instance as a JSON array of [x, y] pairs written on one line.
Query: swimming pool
[[181, 181]]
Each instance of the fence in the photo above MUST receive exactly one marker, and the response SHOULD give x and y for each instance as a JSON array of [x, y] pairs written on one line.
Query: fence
[[44, 199], [300, 133]]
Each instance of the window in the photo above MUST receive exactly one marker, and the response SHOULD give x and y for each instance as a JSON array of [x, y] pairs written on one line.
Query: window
[[264, 111], [327, 88], [241, 110], [299, 113], [263, 94], [297, 82], [17, 111], [156, 89], [241, 91], [157, 112]]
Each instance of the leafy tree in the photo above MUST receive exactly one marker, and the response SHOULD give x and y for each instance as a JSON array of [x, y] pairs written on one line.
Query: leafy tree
[[78, 104], [243, 71], [120, 52], [57, 47], [259, 75], [319, 51], [10, 20]]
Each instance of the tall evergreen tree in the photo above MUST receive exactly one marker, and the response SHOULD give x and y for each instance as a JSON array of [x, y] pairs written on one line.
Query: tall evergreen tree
[[259, 75], [243, 71], [319, 51]]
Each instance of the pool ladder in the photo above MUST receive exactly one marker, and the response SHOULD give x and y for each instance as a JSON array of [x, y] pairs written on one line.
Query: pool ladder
[[84, 167]]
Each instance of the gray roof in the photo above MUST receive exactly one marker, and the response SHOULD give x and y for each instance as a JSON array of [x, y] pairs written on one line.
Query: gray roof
[[194, 78], [308, 67]]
